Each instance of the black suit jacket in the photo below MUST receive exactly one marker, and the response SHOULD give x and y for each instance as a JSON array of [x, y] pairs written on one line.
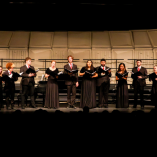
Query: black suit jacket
[[69, 80], [144, 76], [102, 79], [9, 82], [25, 78]]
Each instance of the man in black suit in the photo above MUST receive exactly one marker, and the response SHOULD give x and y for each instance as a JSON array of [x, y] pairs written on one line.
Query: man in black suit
[[139, 74], [9, 87], [27, 83], [71, 81], [103, 82]]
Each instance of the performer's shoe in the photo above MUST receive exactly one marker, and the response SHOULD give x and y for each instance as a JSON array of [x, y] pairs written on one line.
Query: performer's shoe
[[33, 106], [12, 106], [22, 107], [142, 107], [106, 106], [8, 108], [69, 105], [134, 106], [74, 106], [100, 106]]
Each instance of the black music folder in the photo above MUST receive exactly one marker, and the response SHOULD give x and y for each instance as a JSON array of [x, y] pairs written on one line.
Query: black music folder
[[54, 73], [28, 71], [104, 71], [121, 75], [72, 71], [90, 74], [17, 74], [137, 74]]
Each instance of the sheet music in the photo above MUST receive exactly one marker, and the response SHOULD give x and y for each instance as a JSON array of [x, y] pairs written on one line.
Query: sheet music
[[42, 77], [60, 73], [20, 73], [37, 70]]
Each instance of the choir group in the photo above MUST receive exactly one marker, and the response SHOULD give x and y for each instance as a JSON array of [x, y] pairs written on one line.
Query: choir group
[[92, 77]]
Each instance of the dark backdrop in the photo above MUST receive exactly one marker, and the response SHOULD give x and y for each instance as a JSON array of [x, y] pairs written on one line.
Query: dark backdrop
[[76, 16]]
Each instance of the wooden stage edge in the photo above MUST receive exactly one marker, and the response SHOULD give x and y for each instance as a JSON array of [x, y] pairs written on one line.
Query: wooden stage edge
[[111, 107]]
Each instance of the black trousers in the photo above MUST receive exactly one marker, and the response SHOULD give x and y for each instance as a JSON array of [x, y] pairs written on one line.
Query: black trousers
[[71, 98], [25, 90], [103, 94], [138, 89], [10, 93]]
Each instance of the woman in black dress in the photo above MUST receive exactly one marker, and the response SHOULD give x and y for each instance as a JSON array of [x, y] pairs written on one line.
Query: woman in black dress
[[52, 95], [153, 77], [88, 88], [122, 87]]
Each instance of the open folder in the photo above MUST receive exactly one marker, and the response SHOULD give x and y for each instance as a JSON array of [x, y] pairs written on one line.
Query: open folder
[[28, 71], [72, 71], [121, 75]]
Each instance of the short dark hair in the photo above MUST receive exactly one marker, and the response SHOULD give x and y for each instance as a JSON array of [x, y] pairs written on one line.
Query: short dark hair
[[139, 60], [103, 60]]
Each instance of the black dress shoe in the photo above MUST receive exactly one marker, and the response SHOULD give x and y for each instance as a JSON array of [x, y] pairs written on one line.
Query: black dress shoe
[[134, 106], [22, 107], [100, 106], [142, 107], [69, 106], [73, 107], [8, 108], [12, 106], [106, 106], [33, 106]]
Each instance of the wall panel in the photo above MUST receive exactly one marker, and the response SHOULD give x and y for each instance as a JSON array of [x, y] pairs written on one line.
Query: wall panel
[[79, 39], [19, 39], [121, 39], [60, 39], [5, 37], [100, 39], [141, 39], [41, 39]]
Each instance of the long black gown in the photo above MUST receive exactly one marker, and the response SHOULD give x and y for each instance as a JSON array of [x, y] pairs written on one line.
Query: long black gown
[[122, 94], [154, 89], [88, 90], [52, 94]]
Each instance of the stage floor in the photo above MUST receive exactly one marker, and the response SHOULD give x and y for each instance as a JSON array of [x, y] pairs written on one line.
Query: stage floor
[[63, 108]]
